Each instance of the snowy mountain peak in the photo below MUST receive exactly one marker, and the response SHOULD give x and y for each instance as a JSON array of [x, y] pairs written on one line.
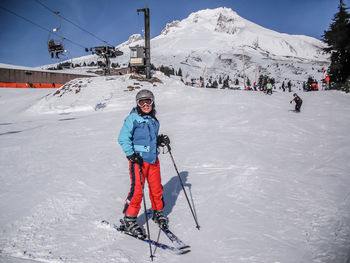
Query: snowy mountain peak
[[222, 29], [218, 39], [213, 14], [220, 19], [169, 26], [228, 24], [132, 39]]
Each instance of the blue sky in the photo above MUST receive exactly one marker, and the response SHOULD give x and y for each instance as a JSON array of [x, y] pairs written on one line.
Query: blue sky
[[22, 43]]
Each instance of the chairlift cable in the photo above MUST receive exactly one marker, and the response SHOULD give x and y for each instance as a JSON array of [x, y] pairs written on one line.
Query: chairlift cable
[[43, 28], [104, 41]]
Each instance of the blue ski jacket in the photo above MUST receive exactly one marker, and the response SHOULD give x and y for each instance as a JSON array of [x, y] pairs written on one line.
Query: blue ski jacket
[[139, 135]]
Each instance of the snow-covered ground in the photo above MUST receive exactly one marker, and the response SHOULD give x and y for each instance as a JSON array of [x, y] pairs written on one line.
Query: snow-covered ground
[[267, 184]]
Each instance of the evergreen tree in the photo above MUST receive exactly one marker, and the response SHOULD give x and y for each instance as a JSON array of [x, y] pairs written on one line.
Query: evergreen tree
[[264, 82], [167, 71], [338, 40], [179, 73], [260, 81], [226, 85]]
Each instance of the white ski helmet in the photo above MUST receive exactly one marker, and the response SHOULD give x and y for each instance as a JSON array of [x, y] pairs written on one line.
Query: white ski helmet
[[144, 94]]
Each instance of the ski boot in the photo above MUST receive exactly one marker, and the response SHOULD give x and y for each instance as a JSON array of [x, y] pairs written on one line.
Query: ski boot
[[130, 226], [160, 219]]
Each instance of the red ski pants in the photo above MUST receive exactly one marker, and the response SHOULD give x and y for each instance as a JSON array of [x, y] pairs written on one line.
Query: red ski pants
[[151, 172]]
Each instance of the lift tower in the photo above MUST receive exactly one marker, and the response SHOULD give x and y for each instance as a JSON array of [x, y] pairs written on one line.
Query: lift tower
[[147, 42]]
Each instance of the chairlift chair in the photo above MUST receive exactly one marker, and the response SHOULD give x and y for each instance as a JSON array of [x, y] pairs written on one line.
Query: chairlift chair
[[55, 46]]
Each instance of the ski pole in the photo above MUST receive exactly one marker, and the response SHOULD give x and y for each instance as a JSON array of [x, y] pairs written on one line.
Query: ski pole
[[155, 249], [144, 206], [183, 187]]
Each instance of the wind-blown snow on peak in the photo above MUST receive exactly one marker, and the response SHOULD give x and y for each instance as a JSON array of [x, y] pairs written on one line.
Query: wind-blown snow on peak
[[170, 26], [132, 39], [220, 20]]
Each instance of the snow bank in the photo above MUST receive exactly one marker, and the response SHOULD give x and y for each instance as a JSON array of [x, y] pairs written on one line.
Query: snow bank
[[99, 93]]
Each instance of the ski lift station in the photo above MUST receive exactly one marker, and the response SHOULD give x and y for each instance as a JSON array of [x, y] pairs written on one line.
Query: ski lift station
[[137, 56], [25, 77]]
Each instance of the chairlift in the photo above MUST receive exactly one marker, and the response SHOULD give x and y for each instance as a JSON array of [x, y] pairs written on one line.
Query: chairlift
[[56, 46], [105, 52]]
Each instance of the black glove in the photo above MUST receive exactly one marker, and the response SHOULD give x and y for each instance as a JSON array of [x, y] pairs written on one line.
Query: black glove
[[163, 140], [136, 158]]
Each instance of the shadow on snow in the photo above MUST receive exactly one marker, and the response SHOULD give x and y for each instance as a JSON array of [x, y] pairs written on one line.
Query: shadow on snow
[[171, 191]]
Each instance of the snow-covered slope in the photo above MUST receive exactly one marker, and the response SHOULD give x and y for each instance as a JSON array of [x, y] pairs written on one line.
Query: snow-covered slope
[[223, 30], [267, 185], [217, 39]]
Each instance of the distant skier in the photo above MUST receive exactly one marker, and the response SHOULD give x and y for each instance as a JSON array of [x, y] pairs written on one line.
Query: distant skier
[[255, 86], [298, 102], [283, 87], [289, 84], [139, 140], [268, 88]]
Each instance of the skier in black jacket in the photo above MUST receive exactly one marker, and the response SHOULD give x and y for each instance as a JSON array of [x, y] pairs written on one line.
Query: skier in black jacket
[[298, 102]]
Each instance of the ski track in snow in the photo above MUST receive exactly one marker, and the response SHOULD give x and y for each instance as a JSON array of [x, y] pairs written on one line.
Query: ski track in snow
[[267, 185]]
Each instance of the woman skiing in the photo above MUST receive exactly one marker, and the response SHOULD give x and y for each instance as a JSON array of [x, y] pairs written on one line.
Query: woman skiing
[[139, 140]]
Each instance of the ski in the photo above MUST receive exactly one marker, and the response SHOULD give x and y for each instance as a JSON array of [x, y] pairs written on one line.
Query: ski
[[175, 240], [174, 250]]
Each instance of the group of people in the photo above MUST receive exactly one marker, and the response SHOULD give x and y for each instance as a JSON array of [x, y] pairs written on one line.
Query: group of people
[[310, 86], [55, 49], [268, 87], [289, 86], [298, 101]]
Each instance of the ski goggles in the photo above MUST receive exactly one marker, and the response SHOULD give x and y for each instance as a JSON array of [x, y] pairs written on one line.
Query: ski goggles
[[145, 102]]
